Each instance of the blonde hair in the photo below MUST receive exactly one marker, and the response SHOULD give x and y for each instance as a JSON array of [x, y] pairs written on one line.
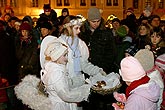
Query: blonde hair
[[68, 24]]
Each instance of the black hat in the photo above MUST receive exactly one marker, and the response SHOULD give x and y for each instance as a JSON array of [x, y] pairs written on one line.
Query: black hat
[[65, 10], [116, 20], [47, 6], [46, 25]]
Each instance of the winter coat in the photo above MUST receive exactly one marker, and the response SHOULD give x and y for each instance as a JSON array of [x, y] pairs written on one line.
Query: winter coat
[[62, 97], [144, 97], [27, 57], [156, 76], [101, 45], [7, 58], [86, 66]]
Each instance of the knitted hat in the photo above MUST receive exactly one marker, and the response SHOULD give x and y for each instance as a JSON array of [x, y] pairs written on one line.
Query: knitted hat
[[46, 25], [25, 26], [132, 50], [55, 49], [131, 69], [160, 61], [121, 31], [17, 23], [146, 58], [93, 14]]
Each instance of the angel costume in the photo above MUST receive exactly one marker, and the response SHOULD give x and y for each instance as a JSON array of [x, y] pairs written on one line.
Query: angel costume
[[56, 82]]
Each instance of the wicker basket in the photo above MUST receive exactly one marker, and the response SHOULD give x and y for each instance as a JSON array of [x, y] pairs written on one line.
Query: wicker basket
[[105, 91]]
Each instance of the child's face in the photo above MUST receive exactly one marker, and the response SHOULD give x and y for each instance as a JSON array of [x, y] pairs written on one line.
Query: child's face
[[44, 31], [76, 30], [25, 33], [63, 59], [116, 25], [17, 27], [155, 39], [7, 17], [143, 30], [64, 13]]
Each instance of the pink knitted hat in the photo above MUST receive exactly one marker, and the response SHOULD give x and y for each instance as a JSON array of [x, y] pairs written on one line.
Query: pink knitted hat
[[131, 69], [160, 61]]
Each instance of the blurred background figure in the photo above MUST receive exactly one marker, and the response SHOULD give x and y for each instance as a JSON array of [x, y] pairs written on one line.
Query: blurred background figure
[[64, 14], [49, 15]]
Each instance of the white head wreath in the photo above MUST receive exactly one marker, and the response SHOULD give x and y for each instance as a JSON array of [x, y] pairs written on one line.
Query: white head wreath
[[73, 22]]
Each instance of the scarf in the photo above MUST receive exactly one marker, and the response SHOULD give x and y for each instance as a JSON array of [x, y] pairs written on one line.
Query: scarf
[[135, 84], [75, 54]]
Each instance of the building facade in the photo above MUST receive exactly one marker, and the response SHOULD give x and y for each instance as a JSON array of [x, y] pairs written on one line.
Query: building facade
[[108, 7]]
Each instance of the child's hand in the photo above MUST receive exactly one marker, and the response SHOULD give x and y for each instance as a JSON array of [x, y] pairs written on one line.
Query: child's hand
[[119, 97], [118, 106]]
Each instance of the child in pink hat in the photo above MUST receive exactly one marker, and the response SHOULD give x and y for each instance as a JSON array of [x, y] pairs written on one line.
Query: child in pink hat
[[139, 93]]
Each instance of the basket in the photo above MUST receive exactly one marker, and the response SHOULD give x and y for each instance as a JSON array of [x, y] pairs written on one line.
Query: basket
[[105, 91]]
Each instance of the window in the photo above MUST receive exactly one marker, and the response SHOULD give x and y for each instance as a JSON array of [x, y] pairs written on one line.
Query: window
[[93, 2], [109, 3], [3, 3], [112, 3], [59, 2], [66, 3], [13, 3], [135, 4], [34, 3], [148, 3], [115, 2], [82, 2], [160, 4]]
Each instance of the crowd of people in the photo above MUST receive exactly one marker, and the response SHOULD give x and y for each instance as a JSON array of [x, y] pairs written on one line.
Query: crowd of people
[[64, 51]]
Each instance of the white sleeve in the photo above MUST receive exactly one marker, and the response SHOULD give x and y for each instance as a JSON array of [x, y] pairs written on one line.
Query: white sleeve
[[61, 87], [86, 66]]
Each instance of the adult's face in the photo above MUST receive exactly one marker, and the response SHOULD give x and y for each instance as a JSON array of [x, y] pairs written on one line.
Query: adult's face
[[155, 22], [94, 24], [47, 13]]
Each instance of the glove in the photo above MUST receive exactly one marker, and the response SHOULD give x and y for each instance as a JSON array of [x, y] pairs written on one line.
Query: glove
[[148, 47], [119, 97]]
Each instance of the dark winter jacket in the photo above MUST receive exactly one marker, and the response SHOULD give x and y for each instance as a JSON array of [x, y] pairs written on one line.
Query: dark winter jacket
[[7, 58], [101, 45], [27, 57], [52, 17]]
